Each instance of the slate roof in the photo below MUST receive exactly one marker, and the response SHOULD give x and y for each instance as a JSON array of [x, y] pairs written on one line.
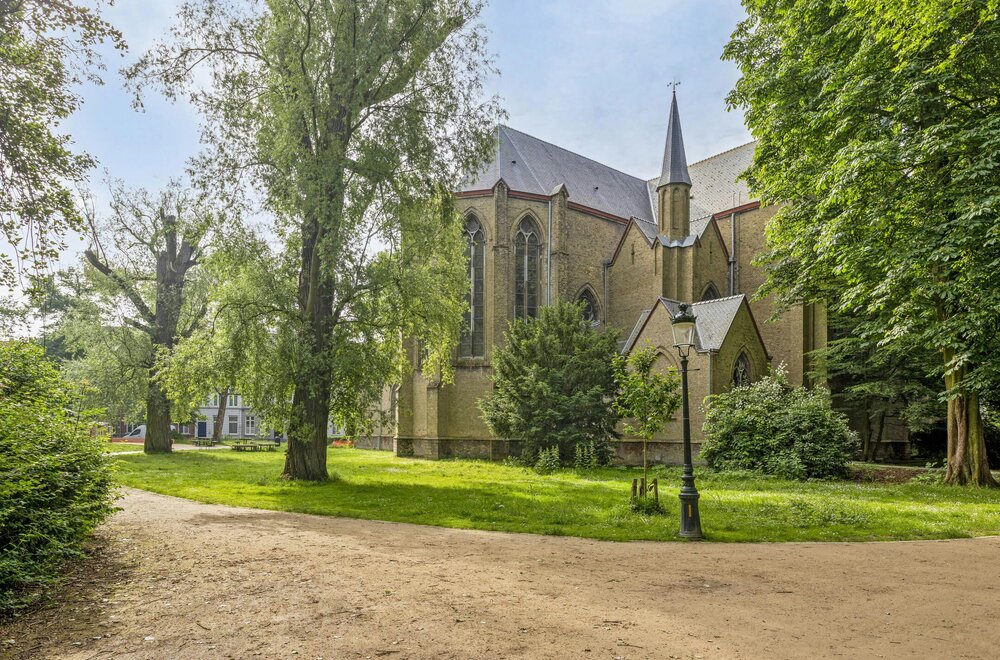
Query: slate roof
[[634, 335], [530, 165], [675, 165], [713, 319]]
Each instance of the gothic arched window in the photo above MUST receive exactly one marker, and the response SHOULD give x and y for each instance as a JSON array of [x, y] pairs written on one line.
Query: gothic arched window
[[473, 335], [589, 307], [741, 371], [526, 251], [711, 293]]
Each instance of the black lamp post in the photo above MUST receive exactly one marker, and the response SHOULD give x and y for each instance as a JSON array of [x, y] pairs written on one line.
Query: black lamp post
[[683, 329]]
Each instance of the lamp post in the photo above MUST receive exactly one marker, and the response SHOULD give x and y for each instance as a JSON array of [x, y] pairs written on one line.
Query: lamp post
[[682, 326]]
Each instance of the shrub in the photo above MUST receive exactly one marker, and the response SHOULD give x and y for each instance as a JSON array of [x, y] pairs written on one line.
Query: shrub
[[586, 455], [774, 428], [55, 482], [548, 460], [553, 381]]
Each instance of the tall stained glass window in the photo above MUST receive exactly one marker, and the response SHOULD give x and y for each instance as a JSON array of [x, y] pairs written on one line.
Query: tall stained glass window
[[526, 263], [473, 331], [741, 371]]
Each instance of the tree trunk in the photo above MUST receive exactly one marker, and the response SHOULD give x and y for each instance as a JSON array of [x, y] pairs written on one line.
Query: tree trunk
[[220, 415], [305, 457], [967, 462], [158, 439]]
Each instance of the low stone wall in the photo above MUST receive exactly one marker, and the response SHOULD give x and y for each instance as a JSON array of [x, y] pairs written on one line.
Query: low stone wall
[[375, 443], [627, 452]]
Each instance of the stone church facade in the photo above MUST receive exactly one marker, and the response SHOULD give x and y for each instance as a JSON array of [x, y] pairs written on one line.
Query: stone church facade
[[545, 224]]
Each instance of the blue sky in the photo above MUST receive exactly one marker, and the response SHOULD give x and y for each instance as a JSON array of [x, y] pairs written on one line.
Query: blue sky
[[589, 75]]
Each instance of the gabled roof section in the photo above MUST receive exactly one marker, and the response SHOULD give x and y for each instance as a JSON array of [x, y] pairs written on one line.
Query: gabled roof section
[[713, 318], [530, 165], [675, 167], [636, 330]]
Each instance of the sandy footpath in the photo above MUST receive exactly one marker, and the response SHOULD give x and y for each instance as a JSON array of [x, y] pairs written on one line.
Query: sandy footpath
[[177, 579]]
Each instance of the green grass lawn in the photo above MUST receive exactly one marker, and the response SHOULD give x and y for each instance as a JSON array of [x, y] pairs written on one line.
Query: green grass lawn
[[118, 447], [586, 503]]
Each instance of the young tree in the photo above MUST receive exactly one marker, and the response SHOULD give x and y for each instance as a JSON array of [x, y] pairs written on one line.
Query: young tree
[[553, 379], [357, 117], [877, 120], [46, 50], [146, 256], [646, 400]]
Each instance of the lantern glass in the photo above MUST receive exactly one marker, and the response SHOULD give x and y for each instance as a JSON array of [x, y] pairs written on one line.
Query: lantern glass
[[683, 328]]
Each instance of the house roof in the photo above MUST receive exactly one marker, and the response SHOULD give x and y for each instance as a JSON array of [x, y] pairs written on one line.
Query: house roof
[[530, 165]]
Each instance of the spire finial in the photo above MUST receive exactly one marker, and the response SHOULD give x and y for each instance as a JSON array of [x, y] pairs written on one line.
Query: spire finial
[[674, 85]]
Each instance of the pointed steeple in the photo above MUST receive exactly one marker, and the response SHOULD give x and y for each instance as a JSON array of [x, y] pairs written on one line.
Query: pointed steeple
[[675, 169]]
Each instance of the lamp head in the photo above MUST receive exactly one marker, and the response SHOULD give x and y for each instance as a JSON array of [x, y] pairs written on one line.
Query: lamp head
[[683, 328]]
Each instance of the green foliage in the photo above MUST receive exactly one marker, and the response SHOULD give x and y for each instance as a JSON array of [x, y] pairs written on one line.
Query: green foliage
[[47, 49], [586, 455], [774, 428], [876, 120], [548, 460], [355, 132], [646, 506], [646, 399], [551, 378], [55, 482]]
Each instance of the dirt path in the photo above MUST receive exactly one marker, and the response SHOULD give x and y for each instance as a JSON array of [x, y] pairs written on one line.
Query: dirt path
[[178, 579]]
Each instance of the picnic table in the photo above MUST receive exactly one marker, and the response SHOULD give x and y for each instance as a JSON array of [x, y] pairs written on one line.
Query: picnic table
[[254, 445], [204, 442]]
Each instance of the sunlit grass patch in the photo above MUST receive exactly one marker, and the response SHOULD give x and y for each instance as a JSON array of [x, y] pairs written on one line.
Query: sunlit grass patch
[[590, 503]]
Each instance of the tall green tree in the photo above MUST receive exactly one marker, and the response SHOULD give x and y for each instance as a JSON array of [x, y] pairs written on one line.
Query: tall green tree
[[145, 260], [355, 118], [553, 381], [46, 50], [878, 122]]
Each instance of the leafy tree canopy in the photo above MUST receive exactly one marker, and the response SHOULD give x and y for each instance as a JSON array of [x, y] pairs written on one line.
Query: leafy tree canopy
[[46, 50], [877, 120]]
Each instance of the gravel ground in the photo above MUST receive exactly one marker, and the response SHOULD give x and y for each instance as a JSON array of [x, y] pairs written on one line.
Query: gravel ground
[[171, 578]]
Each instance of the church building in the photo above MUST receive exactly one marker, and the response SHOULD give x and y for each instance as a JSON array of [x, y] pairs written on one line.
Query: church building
[[546, 224]]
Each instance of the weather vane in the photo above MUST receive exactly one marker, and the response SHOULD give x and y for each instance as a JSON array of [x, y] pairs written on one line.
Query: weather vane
[[674, 85]]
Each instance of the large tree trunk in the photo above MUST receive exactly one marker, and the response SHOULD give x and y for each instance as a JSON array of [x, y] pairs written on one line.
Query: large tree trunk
[[967, 462], [158, 439], [305, 457], [220, 415]]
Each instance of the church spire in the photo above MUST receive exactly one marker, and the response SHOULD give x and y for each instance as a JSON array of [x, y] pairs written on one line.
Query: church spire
[[675, 169]]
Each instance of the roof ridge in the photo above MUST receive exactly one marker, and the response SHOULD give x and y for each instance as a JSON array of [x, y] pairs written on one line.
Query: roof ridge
[[522, 159], [575, 153], [715, 300]]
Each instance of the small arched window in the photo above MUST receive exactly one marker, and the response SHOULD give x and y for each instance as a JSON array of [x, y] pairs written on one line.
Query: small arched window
[[711, 293], [589, 307], [473, 335], [741, 371], [526, 264]]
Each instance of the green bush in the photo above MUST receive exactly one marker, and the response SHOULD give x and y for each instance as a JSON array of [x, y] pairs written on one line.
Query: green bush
[[773, 428], [548, 460], [55, 482], [553, 383]]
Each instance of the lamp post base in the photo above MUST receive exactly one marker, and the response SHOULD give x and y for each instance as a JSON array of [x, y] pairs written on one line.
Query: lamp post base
[[690, 518]]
